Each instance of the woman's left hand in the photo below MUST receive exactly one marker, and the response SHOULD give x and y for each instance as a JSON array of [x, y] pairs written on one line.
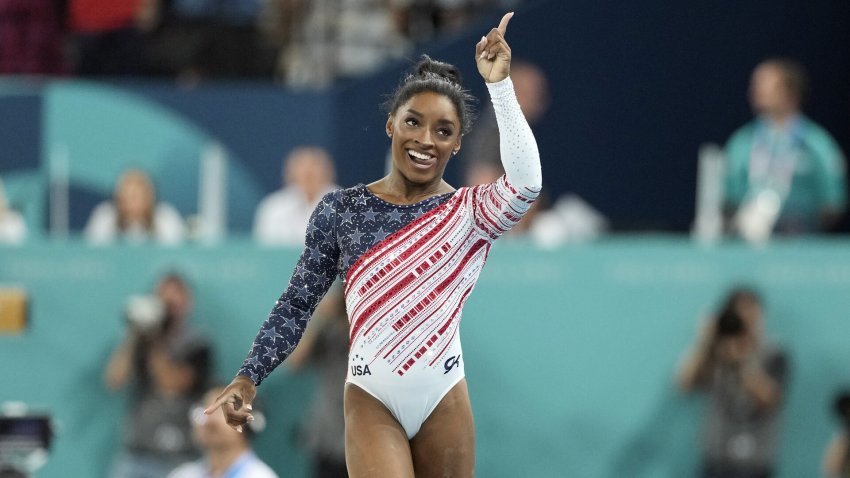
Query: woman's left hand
[[492, 53]]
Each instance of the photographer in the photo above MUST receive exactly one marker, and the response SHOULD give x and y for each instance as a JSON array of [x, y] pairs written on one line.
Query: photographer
[[744, 377], [168, 366], [836, 460]]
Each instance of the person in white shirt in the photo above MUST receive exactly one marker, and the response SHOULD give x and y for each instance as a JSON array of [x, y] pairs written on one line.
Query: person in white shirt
[[227, 453], [281, 218], [13, 229], [135, 215]]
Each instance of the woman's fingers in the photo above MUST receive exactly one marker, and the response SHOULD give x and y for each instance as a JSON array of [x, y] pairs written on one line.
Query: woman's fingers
[[494, 41], [221, 400], [494, 47], [479, 47], [503, 24], [236, 418]]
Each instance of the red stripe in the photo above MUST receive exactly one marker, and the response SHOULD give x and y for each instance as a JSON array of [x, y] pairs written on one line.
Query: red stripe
[[383, 247], [405, 255]]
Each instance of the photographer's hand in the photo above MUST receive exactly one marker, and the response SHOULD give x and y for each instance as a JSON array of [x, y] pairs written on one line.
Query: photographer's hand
[[694, 366], [235, 402], [759, 384], [120, 365]]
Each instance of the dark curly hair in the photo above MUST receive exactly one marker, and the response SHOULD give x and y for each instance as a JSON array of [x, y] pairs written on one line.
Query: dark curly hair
[[438, 77]]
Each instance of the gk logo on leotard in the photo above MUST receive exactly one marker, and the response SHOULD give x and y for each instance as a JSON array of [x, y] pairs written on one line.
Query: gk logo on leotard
[[450, 363]]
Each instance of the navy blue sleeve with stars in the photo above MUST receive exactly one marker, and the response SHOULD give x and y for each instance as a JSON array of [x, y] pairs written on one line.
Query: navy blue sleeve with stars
[[345, 225], [313, 276]]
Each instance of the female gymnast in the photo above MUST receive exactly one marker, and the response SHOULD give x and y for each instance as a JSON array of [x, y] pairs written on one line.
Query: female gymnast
[[409, 248]]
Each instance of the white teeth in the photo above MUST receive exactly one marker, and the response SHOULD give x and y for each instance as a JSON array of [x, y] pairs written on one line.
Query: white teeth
[[418, 155]]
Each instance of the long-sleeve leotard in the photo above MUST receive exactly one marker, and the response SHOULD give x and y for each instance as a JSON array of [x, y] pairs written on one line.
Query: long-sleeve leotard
[[352, 230]]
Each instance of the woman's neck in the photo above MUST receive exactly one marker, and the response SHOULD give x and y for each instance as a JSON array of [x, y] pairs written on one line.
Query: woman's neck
[[398, 190]]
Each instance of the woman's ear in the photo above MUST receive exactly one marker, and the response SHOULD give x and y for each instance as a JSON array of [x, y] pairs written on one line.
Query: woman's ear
[[457, 146], [390, 125]]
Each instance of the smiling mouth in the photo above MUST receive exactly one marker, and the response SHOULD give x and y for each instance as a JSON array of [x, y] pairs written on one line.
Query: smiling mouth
[[421, 160]]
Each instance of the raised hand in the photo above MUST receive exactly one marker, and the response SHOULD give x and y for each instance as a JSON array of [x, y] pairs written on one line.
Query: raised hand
[[235, 402], [492, 53]]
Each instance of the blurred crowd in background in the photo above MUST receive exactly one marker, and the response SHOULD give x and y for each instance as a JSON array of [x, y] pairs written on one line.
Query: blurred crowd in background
[[304, 44]]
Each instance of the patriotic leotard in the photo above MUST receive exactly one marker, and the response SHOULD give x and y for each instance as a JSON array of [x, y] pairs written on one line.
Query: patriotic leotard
[[407, 271]]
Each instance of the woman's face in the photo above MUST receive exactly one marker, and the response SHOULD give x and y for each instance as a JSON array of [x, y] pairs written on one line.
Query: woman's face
[[425, 132]]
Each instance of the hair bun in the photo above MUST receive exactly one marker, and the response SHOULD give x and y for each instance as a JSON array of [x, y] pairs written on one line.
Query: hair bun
[[428, 67]]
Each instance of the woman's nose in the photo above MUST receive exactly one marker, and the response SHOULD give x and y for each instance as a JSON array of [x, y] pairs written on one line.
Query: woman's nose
[[425, 137]]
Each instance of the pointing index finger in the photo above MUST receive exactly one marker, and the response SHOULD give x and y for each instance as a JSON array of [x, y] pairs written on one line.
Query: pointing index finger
[[503, 25], [218, 403]]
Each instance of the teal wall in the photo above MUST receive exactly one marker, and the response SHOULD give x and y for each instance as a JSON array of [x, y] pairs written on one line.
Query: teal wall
[[569, 353]]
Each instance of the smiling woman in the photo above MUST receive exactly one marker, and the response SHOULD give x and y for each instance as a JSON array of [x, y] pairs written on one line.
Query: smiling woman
[[409, 248]]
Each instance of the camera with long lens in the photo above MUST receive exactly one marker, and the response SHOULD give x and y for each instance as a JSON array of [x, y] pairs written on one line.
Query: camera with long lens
[[25, 439], [145, 312]]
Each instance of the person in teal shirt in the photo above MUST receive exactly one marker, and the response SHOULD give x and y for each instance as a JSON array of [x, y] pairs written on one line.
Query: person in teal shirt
[[785, 152]]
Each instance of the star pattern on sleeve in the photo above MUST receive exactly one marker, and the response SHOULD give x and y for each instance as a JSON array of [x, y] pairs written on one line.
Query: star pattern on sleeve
[[271, 333]]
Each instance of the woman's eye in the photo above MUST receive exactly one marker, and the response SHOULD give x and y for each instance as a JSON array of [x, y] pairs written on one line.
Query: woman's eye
[[411, 122], [445, 132]]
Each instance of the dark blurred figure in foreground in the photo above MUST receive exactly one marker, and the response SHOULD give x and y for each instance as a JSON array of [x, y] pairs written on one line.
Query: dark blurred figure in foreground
[[325, 347], [167, 365], [784, 173], [836, 460], [745, 378]]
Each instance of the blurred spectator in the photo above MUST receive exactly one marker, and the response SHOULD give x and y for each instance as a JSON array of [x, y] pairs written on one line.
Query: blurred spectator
[[135, 215], [13, 229], [226, 452], [282, 217], [836, 460], [107, 36], [782, 167], [168, 364], [423, 20], [198, 39], [325, 347], [480, 152], [339, 39], [745, 378], [31, 37]]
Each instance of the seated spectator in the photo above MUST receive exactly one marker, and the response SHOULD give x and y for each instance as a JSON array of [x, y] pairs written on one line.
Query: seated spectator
[[168, 364], [282, 217], [13, 229], [226, 452], [744, 376], [134, 215], [783, 172]]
